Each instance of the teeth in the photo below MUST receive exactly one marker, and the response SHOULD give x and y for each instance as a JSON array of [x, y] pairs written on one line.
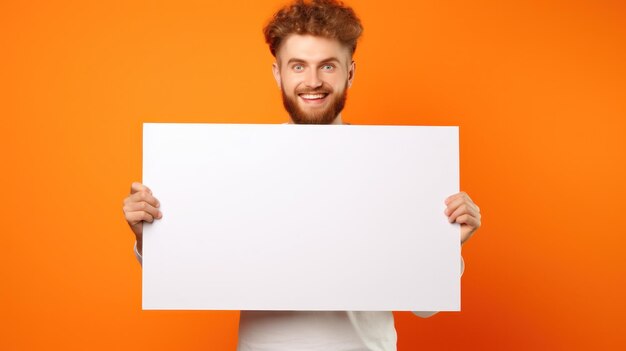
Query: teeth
[[312, 96]]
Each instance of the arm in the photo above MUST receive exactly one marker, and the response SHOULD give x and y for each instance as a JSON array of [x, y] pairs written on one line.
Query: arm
[[460, 209]]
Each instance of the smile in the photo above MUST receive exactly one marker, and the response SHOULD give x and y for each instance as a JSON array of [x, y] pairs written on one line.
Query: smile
[[313, 98]]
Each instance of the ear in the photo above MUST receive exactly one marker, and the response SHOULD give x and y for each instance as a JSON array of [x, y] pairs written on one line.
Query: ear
[[276, 72], [351, 72]]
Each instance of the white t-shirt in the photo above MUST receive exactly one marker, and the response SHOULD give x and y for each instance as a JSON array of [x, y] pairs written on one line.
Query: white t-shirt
[[317, 331], [313, 330]]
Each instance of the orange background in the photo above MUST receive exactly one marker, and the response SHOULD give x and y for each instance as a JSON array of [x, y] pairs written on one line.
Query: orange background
[[538, 89]]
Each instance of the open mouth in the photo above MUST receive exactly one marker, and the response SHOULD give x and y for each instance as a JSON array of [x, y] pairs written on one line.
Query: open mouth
[[313, 98]]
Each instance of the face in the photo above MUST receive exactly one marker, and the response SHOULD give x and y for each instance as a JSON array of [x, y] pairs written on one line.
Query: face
[[314, 75]]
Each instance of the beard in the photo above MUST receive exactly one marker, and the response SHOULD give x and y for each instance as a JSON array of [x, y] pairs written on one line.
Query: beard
[[323, 116]]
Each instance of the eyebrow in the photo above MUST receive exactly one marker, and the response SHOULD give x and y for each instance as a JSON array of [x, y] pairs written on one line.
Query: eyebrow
[[298, 60]]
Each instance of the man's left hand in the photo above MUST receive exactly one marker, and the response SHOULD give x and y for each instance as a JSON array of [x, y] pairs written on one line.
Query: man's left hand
[[461, 209]]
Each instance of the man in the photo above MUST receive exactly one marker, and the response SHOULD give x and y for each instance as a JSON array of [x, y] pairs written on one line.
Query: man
[[313, 43]]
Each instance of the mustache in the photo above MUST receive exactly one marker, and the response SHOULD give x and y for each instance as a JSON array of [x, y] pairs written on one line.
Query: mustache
[[319, 90]]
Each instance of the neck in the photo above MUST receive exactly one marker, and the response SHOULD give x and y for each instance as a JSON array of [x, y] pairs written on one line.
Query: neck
[[337, 120]]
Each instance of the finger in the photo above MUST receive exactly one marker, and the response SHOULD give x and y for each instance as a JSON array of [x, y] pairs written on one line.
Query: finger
[[463, 208], [469, 220], [457, 196], [142, 195], [453, 205], [136, 187], [143, 206], [459, 202], [136, 217], [454, 197]]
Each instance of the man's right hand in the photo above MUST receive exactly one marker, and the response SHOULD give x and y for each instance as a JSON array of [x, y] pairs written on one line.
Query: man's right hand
[[140, 206]]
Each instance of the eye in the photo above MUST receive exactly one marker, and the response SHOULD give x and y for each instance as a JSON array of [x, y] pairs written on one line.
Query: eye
[[328, 67], [298, 68]]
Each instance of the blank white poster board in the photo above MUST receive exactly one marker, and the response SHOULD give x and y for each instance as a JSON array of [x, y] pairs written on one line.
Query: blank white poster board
[[301, 217]]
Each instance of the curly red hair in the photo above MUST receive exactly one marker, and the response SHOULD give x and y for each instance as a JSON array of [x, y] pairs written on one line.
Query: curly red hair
[[324, 18]]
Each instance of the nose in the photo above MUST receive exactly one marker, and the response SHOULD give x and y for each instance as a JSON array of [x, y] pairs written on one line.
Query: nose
[[312, 79]]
